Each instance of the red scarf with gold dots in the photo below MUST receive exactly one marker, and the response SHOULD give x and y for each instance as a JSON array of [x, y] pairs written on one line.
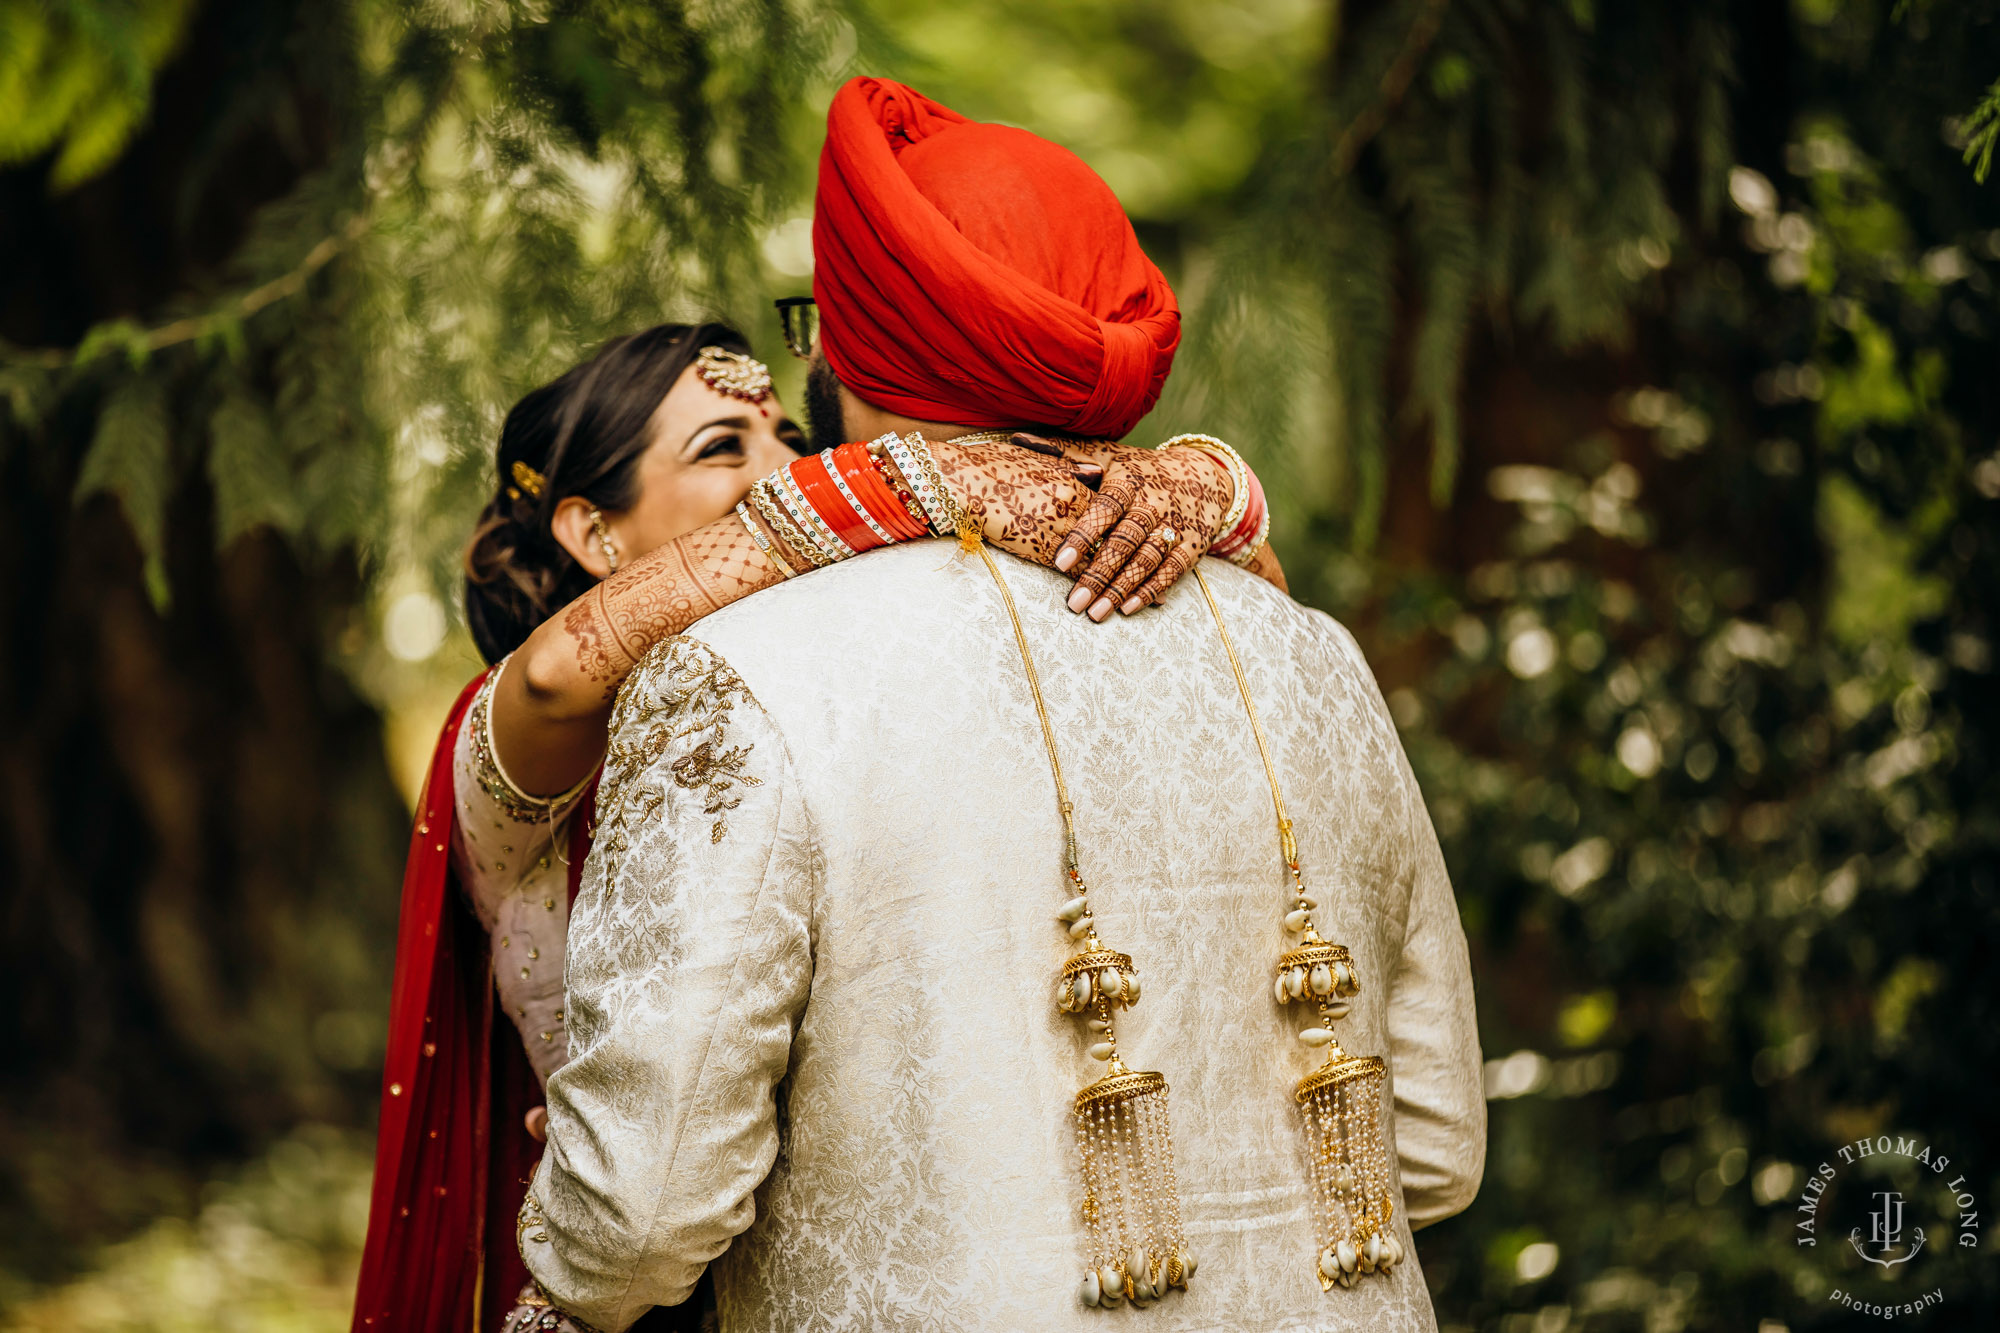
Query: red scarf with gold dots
[[452, 1156]]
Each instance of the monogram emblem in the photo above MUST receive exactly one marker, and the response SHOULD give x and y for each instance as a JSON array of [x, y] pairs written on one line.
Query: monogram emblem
[[1885, 1232]]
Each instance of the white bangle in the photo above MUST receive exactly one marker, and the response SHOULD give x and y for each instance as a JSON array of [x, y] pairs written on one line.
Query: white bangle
[[1239, 475], [886, 537], [926, 483]]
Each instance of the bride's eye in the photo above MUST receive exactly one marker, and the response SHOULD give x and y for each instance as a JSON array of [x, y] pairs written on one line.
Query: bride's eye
[[721, 446]]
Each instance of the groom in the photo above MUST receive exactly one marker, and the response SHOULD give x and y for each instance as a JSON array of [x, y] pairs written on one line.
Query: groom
[[811, 966]]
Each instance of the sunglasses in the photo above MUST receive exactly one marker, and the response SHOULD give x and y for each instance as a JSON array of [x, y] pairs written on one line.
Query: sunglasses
[[800, 320]]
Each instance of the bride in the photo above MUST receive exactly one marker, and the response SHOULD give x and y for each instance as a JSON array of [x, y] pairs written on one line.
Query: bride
[[623, 513]]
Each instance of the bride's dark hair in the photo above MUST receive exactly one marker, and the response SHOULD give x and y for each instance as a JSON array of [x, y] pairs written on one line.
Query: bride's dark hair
[[584, 435]]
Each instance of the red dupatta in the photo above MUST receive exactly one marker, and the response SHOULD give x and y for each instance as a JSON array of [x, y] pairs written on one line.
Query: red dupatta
[[452, 1156]]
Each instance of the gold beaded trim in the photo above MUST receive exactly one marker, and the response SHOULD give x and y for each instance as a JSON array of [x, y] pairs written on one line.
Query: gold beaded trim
[[1121, 1087], [1340, 1071], [516, 804]]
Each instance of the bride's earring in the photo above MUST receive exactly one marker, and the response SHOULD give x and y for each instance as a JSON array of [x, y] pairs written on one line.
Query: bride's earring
[[603, 535]]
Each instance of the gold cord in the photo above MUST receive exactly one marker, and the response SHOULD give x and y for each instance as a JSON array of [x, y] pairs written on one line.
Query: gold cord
[[1041, 711], [1291, 847], [1341, 1100]]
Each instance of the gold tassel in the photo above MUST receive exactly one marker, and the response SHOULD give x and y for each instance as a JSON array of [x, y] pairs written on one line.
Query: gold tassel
[[1340, 1103], [1125, 1147], [1138, 1250]]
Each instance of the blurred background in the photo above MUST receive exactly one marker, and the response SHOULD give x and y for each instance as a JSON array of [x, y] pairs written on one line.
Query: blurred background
[[1623, 374]]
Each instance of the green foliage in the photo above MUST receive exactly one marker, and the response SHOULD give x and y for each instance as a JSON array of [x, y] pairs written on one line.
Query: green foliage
[[77, 77], [1723, 803], [272, 1248], [1620, 373], [525, 182], [1982, 132], [131, 457]]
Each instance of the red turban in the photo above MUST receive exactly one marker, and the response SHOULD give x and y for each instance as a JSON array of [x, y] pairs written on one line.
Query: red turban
[[979, 275]]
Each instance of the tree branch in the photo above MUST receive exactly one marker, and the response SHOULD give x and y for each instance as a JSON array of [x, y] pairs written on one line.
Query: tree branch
[[200, 326], [1368, 122]]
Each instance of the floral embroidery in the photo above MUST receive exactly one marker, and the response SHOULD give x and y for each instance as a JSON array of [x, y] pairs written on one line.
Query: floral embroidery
[[529, 1216], [680, 692], [714, 775]]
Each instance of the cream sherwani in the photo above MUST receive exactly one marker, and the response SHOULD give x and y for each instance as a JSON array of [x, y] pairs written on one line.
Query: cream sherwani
[[811, 967]]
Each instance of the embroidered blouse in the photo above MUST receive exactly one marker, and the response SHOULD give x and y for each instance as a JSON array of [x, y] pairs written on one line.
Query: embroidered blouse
[[508, 848]]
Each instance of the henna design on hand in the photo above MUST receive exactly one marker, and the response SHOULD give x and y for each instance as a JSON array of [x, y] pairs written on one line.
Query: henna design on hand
[[1181, 488], [1026, 501], [598, 654], [1114, 496], [1123, 543], [1147, 559], [1019, 495], [1178, 562]]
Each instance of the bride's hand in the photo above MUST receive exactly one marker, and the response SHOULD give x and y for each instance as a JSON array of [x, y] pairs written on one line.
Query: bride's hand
[[1156, 512], [1028, 493], [1034, 499], [532, 1313], [1024, 495]]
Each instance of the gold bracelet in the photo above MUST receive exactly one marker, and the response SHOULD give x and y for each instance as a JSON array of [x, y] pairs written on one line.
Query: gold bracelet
[[912, 456], [1239, 476], [763, 542], [774, 518]]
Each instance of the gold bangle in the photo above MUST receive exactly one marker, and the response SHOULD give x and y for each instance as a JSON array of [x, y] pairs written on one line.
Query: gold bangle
[[763, 542], [774, 518], [800, 508], [961, 522], [917, 449], [1239, 476]]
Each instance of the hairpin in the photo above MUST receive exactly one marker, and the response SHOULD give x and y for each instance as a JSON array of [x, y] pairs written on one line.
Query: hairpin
[[734, 374], [527, 479]]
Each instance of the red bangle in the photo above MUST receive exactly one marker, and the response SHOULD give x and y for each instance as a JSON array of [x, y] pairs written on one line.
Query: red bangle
[[833, 510], [900, 488], [869, 488], [910, 515], [1246, 527]]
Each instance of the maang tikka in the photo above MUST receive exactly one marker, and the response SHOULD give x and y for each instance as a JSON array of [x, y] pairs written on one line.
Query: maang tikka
[[1340, 1103], [1131, 1209]]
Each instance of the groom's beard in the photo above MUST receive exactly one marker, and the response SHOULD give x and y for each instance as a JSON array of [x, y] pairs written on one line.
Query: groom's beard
[[824, 418]]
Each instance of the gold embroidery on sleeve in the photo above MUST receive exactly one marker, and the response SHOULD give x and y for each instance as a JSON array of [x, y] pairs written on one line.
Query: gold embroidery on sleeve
[[714, 775], [681, 692]]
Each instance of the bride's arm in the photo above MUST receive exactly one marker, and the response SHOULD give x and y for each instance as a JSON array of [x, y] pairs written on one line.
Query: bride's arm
[[552, 703], [551, 706]]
